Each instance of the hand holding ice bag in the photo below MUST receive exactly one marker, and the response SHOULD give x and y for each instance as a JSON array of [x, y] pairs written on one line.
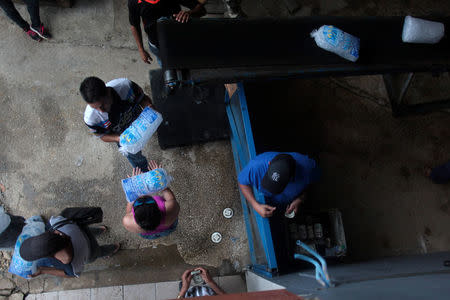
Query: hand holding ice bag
[[148, 183], [135, 137]]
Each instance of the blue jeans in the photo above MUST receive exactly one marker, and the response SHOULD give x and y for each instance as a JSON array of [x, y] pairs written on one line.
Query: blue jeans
[[138, 160], [153, 48], [13, 14]]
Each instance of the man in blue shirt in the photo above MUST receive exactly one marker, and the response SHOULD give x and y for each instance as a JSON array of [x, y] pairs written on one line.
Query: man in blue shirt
[[280, 177]]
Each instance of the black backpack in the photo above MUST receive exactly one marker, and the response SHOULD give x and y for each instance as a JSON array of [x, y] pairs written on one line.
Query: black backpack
[[82, 216]]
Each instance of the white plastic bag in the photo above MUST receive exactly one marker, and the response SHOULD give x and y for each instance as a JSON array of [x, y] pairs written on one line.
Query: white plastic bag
[[145, 184], [417, 30], [34, 226], [135, 137], [337, 41]]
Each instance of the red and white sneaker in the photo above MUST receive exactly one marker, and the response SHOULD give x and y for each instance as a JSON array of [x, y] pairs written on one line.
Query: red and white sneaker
[[33, 35], [42, 32]]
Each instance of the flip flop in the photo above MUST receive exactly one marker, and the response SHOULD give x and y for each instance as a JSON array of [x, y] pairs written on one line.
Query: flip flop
[[117, 248], [104, 227]]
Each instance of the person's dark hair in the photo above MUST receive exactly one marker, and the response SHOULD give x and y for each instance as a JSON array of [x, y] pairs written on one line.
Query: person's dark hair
[[44, 245], [92, 89], [147, 216]]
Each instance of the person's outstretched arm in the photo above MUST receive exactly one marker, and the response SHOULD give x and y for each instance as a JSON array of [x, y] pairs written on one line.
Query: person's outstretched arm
[[103, 133], [263, 209], [128, 220], [135, 22], [294, 205], [171, 201], [186, 282], [110, 138], [210, 282], [197, 10], [169, 196], [172, 204], [129, 207], [137, 34]]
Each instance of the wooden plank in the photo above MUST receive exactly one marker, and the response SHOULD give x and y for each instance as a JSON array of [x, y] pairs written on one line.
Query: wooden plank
[[59, 3]]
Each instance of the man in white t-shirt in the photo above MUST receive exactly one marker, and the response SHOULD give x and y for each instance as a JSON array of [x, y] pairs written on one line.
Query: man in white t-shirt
[[111, 108]]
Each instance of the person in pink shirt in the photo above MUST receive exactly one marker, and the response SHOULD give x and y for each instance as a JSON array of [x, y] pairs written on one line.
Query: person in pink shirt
[[154, 216]]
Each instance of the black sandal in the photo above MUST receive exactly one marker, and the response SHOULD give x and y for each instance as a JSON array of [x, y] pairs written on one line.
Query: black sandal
[[104, 227], [116, 249]]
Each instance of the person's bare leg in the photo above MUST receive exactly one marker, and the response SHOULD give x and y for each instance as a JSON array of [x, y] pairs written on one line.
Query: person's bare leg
[[97, 230]]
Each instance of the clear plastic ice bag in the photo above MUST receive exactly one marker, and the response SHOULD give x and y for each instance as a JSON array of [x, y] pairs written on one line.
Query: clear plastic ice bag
[[34, 226], [135, 137], [337, 41], [145, 184], [417, 30]]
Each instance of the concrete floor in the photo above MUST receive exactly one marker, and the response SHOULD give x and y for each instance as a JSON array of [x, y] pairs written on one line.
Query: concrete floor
[[372, 162]]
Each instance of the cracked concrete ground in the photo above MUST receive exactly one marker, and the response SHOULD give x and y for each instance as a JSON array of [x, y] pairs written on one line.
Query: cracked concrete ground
[[43, 138]]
